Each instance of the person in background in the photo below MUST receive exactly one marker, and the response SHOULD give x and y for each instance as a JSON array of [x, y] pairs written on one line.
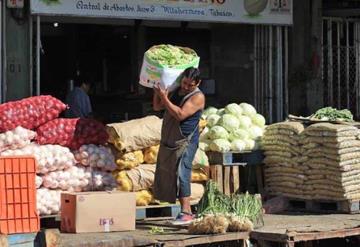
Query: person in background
[[78, 99], [179, 141]]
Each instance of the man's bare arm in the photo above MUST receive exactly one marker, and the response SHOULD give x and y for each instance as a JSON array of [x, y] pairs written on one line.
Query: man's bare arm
[[191, 106]]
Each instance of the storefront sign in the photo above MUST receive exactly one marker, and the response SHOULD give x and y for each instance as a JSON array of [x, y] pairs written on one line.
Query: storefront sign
[[235, 11]]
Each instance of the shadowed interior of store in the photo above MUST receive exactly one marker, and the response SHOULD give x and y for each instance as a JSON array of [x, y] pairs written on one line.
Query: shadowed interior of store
[[111, 56]]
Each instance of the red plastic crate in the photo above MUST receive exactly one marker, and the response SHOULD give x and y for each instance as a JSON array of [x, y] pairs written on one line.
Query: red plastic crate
[[18, 213]]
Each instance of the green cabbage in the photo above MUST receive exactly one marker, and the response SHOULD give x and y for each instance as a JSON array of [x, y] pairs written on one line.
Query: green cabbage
[[249, 144], [169, 55], [244, 122], [221, 112], [258, 120], [233, 109], [220, 145], [247, 109], [218, 132], [205, 145], [238, 145], [208, 111], [239, 134], [204, 135], [255, 132], [229, 122], [212, 120]]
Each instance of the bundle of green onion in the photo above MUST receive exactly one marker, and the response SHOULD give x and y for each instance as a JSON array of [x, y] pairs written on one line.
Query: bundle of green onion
[[218, 213]]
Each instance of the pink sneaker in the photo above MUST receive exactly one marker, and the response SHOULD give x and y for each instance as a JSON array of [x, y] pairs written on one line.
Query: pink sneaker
[[183, 219]]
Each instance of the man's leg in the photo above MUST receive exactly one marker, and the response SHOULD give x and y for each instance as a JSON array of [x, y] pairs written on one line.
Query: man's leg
[[185, 205]]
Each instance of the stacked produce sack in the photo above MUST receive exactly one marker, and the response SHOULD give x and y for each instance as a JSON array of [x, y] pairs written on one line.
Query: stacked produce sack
[[237, 127], [284, 169], [136, 147], [333, 158], [134, 142], [53, 144]]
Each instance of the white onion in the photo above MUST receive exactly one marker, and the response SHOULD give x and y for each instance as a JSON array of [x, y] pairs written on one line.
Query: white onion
[[49, 157], [96, 156]]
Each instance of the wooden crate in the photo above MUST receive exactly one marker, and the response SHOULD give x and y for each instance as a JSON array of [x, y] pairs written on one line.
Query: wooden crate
[[225, 169], [226, 177]]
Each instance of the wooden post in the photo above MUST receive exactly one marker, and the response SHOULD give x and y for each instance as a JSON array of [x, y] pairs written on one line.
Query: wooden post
[[219, 177], [227, 170], [236, 178]]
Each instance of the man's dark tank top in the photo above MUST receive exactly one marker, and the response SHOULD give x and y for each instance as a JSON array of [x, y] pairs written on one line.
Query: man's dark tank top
[[188, 125]]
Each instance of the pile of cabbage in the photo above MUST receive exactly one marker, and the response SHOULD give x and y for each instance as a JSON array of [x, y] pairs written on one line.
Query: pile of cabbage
[[237, 127]]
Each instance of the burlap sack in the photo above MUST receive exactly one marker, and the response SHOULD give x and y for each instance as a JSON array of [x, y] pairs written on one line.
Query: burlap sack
[[197, 191], [335, 157], [296, 127], [136, 134], [282, 189], [301, 159], [286, 175], [350, 167], [320, 172], [316, 176], [329, 127], [307, 146], [142, 177], [331, 134], [283, 169], [282, 143], [279, 139], [323, 140], [345, 144], [283, 154], [331, 162], [331, 151], [278, 159], [281, 179], [290, 149], [283, 132]]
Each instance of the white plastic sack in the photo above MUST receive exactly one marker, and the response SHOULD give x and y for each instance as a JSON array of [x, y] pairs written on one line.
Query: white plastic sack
[[153, 73]]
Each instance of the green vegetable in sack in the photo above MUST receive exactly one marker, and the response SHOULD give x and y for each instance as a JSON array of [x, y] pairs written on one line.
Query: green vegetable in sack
[[169, 55]]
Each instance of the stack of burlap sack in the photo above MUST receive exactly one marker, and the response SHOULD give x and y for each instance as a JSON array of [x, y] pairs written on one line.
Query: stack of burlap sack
[[321, 161], [284, 173], [136, 147], [333, 161]]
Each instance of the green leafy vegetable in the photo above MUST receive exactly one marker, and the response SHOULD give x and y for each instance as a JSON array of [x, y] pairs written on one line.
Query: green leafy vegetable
[[333, 114], [156, 230]]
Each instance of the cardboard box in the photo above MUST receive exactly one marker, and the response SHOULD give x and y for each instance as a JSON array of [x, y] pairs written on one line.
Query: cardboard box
[[98, 211]]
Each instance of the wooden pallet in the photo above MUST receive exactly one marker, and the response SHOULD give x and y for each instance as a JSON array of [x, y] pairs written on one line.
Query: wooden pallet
[[323, 206], [153, 211], [18, 240], [161, 211]]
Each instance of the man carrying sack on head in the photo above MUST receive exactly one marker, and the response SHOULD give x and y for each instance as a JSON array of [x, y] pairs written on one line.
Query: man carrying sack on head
[[179, 141]]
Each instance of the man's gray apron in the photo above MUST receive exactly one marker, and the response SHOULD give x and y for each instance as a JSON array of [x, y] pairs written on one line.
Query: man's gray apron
[[172, 147]]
